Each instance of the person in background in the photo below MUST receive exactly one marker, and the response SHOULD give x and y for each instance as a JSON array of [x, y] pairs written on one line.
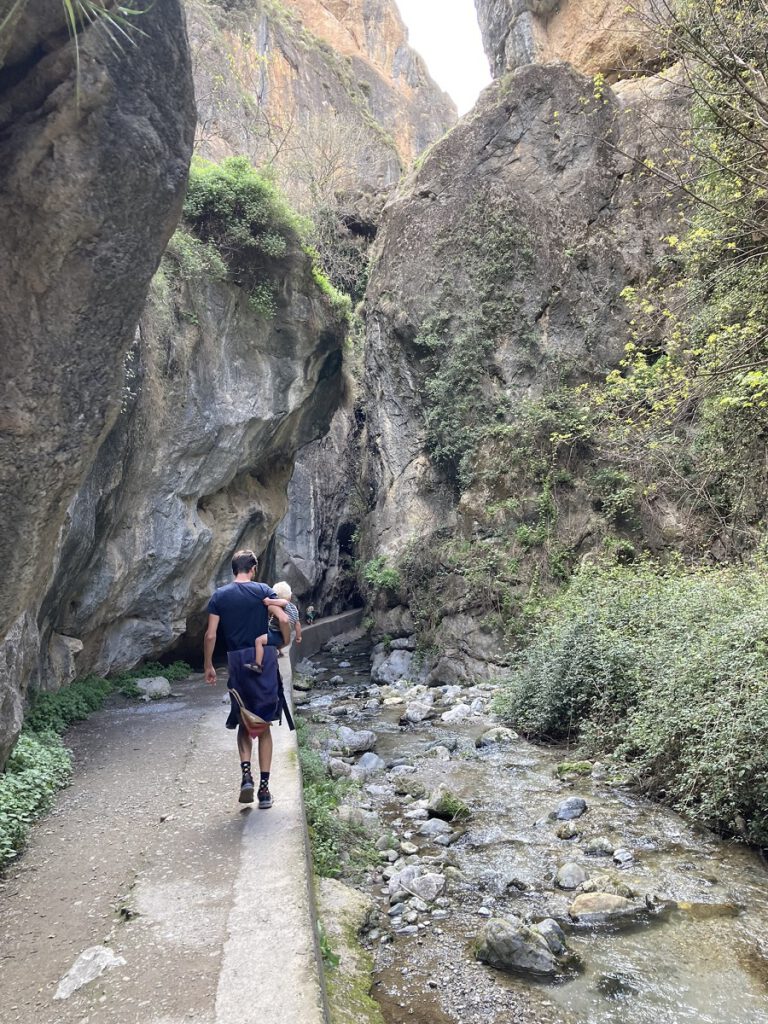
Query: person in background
[[310, 614], [273, 636], [240, 609]]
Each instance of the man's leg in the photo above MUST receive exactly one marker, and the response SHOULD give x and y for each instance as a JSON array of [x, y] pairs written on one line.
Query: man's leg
[[265, 764], [245, 749]]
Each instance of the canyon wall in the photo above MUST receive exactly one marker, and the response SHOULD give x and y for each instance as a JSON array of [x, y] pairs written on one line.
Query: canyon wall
[[93, 164]]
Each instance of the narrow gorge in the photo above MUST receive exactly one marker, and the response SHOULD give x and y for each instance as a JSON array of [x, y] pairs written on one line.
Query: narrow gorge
[[496, 381]]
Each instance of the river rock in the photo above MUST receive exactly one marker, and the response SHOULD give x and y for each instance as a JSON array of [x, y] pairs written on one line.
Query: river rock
[[440, 753], [599, 847], [408, 849], [400, 884], [443, 803], [415, 713], [368, 765], [337, 679], [609, 882], [566, 831], [553, 935], [355, 742], [596, 907], [622, 856], [428, 887], [154, 687], [571, 808], [499, 734], [570, 876], [510, 945], [459, 713], [396, 665], [339, 769], [435, 827]]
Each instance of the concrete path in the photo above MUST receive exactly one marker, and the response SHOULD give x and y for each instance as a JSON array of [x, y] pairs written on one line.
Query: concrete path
[[150, 853]]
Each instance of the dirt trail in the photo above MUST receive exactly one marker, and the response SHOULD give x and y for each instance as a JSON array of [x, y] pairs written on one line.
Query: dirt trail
[[146, 852]]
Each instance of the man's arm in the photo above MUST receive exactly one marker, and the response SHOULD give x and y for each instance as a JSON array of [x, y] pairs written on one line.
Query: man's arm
[[208, 645]]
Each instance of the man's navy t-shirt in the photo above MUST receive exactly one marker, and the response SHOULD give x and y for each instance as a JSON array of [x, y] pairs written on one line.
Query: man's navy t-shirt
[[243, 614]]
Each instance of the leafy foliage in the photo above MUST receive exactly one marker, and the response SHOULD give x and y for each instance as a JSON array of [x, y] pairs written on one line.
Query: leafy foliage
[[668, 671], [379, 575], [329, 835]]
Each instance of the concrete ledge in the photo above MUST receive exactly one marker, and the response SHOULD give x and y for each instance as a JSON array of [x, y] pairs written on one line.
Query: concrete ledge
[[313, 637]]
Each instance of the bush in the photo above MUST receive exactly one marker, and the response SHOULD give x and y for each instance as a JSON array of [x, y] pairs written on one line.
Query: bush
[[668, 670], [381, 576], [329, 836], [38, 766]]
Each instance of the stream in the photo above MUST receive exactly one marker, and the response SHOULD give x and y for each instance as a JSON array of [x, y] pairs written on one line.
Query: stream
[[696, 951]]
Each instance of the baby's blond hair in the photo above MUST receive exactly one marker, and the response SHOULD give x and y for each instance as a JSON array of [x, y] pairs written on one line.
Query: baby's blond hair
[[283, 590]]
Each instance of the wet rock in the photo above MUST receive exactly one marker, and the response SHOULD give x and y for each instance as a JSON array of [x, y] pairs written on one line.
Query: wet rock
[[599, 847], [415, 713], [440, 753], [460, 713], [443, 803], [449, 742], [337, 679], [89, 965], [608, 882], [396, 665], [356, 742], [339, 769], [623, 856], [368, 765], [435, 827], [570, 876], [499, 734], [153, 687], [553, 935], [510, 945], [345, 664], [566, 831], [407, 784], [571, 808], [428, 887], [597, 907]]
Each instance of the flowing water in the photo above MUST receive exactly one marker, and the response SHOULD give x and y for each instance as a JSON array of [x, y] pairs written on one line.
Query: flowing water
[[703, 958]]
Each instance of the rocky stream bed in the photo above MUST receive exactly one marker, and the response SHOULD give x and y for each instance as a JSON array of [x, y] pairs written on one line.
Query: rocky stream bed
[[513, 890]]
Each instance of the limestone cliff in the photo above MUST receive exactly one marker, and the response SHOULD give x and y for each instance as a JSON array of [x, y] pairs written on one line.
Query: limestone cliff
[[92, 173], [314, 82], [609, 37], [498, 273]]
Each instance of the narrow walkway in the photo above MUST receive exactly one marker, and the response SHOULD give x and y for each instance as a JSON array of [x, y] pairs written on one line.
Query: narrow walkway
[[150, 853]]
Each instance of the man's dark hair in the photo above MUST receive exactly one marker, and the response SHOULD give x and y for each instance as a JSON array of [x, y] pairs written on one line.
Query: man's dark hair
[[243, 561]]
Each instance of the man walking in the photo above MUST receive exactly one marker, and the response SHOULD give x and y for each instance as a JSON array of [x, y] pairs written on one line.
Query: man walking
[[240, 609]]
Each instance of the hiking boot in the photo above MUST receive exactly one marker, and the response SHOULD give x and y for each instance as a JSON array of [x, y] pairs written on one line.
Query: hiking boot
[[246, 789], [254, 667], [265, 797]]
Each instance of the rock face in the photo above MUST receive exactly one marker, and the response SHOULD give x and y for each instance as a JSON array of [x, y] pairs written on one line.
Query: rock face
[[274, 79], [605, 36], [90, 193], [197, 465]]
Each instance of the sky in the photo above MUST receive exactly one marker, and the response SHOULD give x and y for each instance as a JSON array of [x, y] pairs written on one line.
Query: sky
[[446, 34]]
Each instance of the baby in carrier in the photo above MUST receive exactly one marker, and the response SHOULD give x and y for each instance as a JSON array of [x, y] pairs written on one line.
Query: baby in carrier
[[273, 637]]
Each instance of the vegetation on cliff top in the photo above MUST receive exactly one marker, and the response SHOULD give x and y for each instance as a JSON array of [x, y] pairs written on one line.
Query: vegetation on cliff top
[[238, 226]]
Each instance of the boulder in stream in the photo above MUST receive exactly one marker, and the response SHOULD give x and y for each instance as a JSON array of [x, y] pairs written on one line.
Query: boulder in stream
[[355, 742], [600, 846], [499, 734], [396, 665], [459, 713], [510, 945], [571, 808], [415, 713], [601, 907], [570, 876], [443, 803]]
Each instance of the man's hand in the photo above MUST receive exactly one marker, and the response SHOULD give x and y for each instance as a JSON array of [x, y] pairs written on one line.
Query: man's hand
[[210, 675]]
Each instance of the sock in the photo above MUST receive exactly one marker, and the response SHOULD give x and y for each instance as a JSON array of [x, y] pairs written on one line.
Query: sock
[[264, 779], [245, 767]]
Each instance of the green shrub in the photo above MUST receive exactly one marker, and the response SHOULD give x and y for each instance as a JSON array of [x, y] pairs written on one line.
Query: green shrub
[[667, 670], [38, 766], [381, 576], [55, 712], [329, 836], [195, 259]]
